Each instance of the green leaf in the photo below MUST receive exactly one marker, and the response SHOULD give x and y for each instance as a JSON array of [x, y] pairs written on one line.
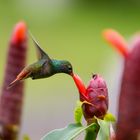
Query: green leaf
[[104, 131], [109, 117], [78, 112], [67, 133]]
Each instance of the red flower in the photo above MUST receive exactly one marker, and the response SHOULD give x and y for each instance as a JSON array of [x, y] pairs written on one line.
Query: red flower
[[94, 97], [128, 125], [12, 99]]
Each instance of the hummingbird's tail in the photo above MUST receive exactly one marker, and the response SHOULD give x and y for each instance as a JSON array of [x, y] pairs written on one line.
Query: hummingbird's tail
[[13, 83], [22, 75]]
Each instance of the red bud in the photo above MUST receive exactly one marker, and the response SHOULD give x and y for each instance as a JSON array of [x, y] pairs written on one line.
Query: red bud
[[96, 97]]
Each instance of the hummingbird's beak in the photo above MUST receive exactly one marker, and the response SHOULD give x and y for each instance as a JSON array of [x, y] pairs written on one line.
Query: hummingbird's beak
[[72, 74]]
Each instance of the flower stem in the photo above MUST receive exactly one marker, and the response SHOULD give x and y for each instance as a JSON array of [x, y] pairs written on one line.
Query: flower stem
[[91, 134]]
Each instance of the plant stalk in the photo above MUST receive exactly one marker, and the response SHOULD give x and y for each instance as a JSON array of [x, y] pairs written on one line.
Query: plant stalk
[[91, 132]]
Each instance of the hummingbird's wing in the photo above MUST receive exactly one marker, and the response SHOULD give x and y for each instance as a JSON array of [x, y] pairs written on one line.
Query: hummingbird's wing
[[40, 53]]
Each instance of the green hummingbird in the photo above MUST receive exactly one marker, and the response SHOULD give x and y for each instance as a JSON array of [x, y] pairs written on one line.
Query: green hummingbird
[[44, 67]]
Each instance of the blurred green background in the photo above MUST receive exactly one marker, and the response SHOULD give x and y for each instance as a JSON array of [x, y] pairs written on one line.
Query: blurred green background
[[67, 29]]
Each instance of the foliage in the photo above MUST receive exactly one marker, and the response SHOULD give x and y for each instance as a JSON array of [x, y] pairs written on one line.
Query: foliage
[[73, 130], [67, 133]]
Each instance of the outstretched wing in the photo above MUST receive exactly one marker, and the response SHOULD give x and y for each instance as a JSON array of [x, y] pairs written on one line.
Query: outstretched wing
[[40, 53]]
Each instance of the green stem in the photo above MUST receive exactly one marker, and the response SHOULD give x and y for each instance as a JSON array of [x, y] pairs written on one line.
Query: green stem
[[91, 134]]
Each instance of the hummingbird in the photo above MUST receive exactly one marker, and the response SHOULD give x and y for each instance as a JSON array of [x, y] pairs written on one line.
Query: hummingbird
[[44, 67]]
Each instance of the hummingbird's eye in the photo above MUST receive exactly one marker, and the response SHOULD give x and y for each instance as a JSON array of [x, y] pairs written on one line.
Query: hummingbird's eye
[[70, 68]]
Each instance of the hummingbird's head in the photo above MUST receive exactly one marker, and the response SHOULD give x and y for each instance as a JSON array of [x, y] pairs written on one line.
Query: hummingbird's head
[[63, 66], [66, 67]]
